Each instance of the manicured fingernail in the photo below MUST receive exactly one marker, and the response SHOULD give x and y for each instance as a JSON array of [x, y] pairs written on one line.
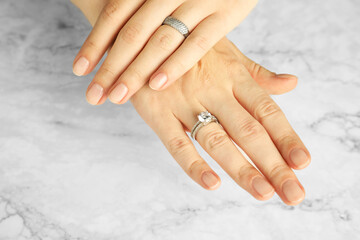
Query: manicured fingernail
[[210, 179], [286, 76], [94, 94], [118, 93], [81, 66], [292, 191], [158, 81], [262, 186], [298, 157]]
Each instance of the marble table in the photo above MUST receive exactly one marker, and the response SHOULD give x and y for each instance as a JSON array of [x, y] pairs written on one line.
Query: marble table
[[69, 170]]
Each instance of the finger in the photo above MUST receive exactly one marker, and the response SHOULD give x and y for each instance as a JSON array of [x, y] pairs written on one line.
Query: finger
[[260, 105], [161, 44], [172, 134], [254, 140], [195, 46], [128, 44], [217, 143], [271, 82], [279, 84], [111, 19]]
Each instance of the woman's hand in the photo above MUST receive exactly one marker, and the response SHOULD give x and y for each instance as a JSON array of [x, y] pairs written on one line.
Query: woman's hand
[[143, 49], [222, 83]]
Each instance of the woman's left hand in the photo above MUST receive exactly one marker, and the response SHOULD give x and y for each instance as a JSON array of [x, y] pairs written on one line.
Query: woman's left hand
[[144, 49], [223, 83]]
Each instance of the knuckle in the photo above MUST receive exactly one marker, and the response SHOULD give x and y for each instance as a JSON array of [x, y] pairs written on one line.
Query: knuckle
[[215, 139], [178, 145], [251, 130], [111, 9], [163, 40], [134, 73], [235, 67], [246, 173], [107, 70], [194, 166], [91, 45], [266, 108], [130, 33], [255, 69], [201, 42], [287, 140], [278, 170]]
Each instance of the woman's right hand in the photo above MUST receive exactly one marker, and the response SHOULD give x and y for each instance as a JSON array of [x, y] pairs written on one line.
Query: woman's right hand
[[146, 50], [223, 83]]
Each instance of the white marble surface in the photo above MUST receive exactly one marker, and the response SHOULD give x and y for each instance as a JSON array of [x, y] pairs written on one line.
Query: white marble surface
[[69, 170]]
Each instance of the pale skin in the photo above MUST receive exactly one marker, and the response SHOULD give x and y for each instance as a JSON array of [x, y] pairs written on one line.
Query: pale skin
[[236, 90], [143, 49]]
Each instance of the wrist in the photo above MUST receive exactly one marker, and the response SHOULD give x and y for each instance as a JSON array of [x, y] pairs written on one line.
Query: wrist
[[90, 8]]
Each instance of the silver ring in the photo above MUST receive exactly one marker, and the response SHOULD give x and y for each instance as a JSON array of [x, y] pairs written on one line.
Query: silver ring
[[177, 24], [204, 119]]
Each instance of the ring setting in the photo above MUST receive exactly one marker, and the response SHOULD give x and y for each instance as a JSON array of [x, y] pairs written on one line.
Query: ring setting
[[204, 119]]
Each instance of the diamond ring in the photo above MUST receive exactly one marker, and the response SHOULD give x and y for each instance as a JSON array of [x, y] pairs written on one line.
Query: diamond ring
[[177, 24], [204, 119]]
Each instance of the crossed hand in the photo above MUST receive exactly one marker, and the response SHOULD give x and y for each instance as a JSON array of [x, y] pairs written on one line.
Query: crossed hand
[[236, 91]]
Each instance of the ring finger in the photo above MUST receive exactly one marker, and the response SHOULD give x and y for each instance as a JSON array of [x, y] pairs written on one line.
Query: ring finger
[[217, 143], [172, 134]]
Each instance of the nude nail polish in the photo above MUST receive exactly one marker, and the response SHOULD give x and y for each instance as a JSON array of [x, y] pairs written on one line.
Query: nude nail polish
[[210, 179], [262, 187], [118, 93], [298, 157], [80, 67], [292, 191], [158, 81], [94, 94]]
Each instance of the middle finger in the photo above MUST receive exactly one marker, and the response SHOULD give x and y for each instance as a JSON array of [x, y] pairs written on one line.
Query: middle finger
[[160, 46]]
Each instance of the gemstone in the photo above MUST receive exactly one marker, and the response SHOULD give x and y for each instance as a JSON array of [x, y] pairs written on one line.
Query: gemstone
[[204, 117]]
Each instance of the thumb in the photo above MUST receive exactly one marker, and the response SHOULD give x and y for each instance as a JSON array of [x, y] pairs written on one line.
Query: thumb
[[273, 83]]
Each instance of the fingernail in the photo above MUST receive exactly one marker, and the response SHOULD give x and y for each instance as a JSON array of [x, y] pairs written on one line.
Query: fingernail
[[81, 66], [292, 191], [262, 186], [118, 93], [158, 81], [286, 76], [94, 94], [298, 157], [210, 179]]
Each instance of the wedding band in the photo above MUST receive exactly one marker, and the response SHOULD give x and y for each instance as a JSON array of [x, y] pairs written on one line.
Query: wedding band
[[177, 24], [204, 119]]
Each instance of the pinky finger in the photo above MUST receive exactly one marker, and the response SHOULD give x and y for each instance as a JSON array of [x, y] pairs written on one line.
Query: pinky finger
[[195, 46], [179, 145]]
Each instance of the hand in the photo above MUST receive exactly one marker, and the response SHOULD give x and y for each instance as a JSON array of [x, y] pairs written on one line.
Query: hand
[[222, 83], [170, 119], [144, 49]]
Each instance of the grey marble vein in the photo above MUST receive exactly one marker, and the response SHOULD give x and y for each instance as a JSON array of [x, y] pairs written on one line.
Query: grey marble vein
[[70, 171]]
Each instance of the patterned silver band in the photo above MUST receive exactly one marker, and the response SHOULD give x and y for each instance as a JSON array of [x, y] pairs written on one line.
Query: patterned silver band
[[204, 119], [177, 24]]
